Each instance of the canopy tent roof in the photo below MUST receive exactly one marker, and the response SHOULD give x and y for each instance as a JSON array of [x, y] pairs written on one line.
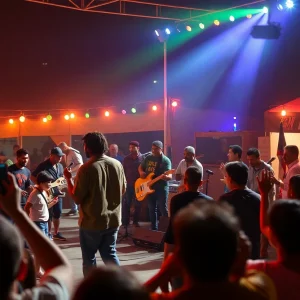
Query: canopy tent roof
[[291, 106]]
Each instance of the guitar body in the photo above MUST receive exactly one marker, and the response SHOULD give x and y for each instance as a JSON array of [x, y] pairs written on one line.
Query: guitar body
[[56, 187], [142, 190]]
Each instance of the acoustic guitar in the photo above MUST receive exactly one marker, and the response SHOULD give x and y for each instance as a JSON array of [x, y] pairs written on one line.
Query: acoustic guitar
[[56, 187], [143, 186]]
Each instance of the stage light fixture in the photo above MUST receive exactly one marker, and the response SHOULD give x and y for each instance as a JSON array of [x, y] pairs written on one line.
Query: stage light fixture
[[217, 22], [249, 16], [87, 115], [157, 32], [289, 4], [162, 35], [202, 26], [124, 112], [231, 18], [174, 103], [154, 107], [234, 118], [22, 119], [72, 116], [106, 113], [11, 121], [265, 10], [154, 81], [49, 117], [45, 120], [67, 117], [133, 110], [234, 127], [280, 7], [167, 31], [283, 113], [188, 28]]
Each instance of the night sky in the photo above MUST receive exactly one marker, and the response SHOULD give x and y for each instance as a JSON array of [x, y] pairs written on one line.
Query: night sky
[[56, 58]]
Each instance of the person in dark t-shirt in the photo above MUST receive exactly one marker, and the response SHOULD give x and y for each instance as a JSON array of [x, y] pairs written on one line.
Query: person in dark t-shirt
[[246, 203], [22, 174]]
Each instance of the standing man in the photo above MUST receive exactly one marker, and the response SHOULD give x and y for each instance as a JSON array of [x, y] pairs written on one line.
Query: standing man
[[22, 174], [72, 156], [131, 165], [188, 161], [53, 166], [113, 152], [99, 186], [158, 164]]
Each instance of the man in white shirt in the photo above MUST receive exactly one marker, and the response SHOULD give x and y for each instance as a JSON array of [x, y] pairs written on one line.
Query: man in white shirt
[[188, 161], [72, 156], [290, 156]]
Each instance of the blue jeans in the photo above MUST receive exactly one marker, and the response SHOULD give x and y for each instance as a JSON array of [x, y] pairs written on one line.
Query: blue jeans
[[103, 241], [128, 198], [158, 199], [43, 226]]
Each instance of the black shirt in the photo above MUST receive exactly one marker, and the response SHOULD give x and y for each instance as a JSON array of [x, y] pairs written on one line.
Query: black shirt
[[177, 203], [246, 204], [23, 179], [48, 167]]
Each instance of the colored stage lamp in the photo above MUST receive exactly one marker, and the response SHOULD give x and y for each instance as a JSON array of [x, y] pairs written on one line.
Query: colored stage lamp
[[217, 22], [45, 120], [234, 126], [283, 113], [188, 28], [67, 117], [249, 16], [289, 4], [167, 31], [265, 10], [174, 103], [133, 110], [72, 116], [234, 118], [280, 6], [22, 119], [106, 113], [154, 107], [154, 81], [231, 18], [123, 112], [49, 117], [201, 25], [157, 32], [11, 121], [87, 115]]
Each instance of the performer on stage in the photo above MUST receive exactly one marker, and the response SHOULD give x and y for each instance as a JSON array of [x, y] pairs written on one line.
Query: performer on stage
[[53, 166], [157, 163], [22, 174], [131, 165], [72, 156]]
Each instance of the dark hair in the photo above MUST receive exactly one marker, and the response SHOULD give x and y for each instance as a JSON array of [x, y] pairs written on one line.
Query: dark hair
[[294, 184], [21, 152], [193, 175], [284, 217], [203, 230], [253, 151], [236, 149], [113, 281], [96, 143], [16, 146], [238, 172], [292, 149], [10, 258]]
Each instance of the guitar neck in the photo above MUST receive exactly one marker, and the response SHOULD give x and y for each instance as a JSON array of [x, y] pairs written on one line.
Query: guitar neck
[[155, 179]]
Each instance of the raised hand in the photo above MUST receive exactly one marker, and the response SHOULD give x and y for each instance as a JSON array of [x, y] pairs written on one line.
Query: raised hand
[[266, 182]]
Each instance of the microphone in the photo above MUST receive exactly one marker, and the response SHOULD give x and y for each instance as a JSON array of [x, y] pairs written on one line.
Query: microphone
[[271, 160], [209, 172], [70, 165]]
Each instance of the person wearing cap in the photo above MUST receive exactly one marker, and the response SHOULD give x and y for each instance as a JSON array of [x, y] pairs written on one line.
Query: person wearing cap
[[189, 160], [53, 166], [73, 157], [158, 164], [131, 165], [37, 205]]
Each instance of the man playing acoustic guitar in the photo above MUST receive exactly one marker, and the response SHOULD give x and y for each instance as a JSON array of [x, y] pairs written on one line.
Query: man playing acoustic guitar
[[158, 164]]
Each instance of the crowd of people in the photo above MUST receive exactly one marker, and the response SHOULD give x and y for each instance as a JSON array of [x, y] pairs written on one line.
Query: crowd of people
[[214, 248]]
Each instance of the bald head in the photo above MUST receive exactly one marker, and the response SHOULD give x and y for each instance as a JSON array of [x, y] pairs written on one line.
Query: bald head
[[63, 146], [113, 150]]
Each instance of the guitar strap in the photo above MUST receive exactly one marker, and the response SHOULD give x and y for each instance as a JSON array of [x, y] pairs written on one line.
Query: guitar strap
[[43, 196]]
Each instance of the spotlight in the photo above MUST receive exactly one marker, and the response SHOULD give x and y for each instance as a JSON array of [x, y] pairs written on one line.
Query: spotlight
[[11, 121], [106, 113], [188, 28], [45, 120], [22, 119], [157, 32], [49, 117], [231, 18], [167, 31], [217, 22], [174, 103], [124, 112], [67, 117], [234, 126], [289, 4], [201, 25], [249, 16], [72, 116], [265, 10], [154, 81], [133, 110], [154, 107], [234, 118], [283, 113], [87, 115], [280, 6]]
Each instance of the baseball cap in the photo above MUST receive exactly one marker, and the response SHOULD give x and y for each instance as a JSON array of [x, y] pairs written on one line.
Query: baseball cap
[[134, 143], [190, 149], [44, 177], [57, 151], [158, 144]]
